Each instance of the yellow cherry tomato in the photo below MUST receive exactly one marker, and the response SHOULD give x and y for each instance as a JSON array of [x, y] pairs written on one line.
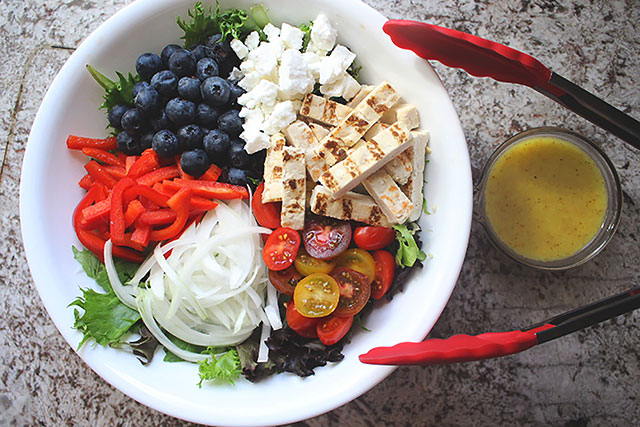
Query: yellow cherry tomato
[[316, 295], [306, 264], [358, 260]]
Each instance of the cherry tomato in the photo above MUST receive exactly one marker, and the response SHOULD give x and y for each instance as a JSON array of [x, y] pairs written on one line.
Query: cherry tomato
[[306, 264], [285, 281], [358, 260], [316, 295], [373, 238], [354, 291], [332, 329], [267, 214], [281, 248], [385, 269], [304, 326], [326, 238]]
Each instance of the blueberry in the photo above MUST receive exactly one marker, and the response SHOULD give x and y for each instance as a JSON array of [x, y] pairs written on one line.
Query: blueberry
[[128, 144], [189, 88], [230, 122], [161, 121], [180, 111], [217, 143], [215, 91], [147, 100], [195, 162], [182, 63], [236, 92], [238, 157], [138, 86], [223, 54], [199, 52], [237, 176], [115, 115], [165, 143], [205, 68], [146, 141], [207, 116], [190, 136], [147, 65], [167, 52], [132, 121], [166, 83]]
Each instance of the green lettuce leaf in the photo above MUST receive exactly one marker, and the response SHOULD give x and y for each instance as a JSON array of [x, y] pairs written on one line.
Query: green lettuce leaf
[[408, 251], [224, 368], [118, 92], [306, 38], [170, 357]]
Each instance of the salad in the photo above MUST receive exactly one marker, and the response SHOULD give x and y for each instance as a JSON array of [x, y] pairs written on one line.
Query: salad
[[253, 202]]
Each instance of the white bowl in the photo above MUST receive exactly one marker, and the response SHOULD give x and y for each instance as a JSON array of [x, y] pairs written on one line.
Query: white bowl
[[49, 193]]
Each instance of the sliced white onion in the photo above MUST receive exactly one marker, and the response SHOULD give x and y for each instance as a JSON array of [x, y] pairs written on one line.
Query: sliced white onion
[[126, 295], [263, 350]]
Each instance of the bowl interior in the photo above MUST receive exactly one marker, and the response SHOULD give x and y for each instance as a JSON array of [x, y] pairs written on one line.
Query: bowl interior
[[49, 193]]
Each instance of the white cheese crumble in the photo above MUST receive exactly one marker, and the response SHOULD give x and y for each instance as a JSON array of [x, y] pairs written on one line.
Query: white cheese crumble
[[277, 76]]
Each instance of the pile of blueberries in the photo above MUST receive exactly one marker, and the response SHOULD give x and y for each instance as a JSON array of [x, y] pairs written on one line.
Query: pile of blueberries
[[186, 105]]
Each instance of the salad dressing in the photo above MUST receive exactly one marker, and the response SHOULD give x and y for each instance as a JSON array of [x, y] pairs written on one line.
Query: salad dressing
[[545, 198]]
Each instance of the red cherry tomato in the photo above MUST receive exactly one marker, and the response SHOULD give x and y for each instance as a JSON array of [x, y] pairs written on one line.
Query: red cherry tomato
[[326, 238], [303, 326], [281, 248], [373, 238], [333, 328], [354, 291], [267, 214], [285, 281], [385, 269]]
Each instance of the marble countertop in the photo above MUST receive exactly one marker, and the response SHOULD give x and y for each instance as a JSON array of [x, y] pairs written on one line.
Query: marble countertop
[[589, 378]]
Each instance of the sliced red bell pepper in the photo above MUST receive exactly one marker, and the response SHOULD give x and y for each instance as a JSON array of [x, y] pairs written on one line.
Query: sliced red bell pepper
[[99, 174], [95, 214], [116, 215], [78, 143], [156, 217], [137, 190], [128, 162], [117, 172], [201, 204], [141, 235], [212, 174], [86, 182], [147, 162], [179, 202], [208, 189], [103, 156], [133, 212], [159, 175]]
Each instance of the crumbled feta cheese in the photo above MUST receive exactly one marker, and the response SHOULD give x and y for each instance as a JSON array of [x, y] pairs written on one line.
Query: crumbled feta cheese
[[323, 34], [264, 93], [255, 139], [239, 48], [345, 86], [333, 66], [249, 81], [236, 75], [272, 32], [291, 36], [252, 41], [313, 61], [263, 60], [295, 78], [282, 116]]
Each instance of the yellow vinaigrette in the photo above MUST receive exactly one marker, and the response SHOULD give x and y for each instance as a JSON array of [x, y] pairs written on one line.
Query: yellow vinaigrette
[[545, 198]]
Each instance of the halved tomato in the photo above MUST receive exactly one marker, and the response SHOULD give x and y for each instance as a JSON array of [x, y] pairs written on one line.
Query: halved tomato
[[332, 329], [285, 281], [373, 238], [281, 248], [306, 264], [354, 291], [385, 270], [358, 260], [316, 295], [326, 238], [267, 214], [304, 326]]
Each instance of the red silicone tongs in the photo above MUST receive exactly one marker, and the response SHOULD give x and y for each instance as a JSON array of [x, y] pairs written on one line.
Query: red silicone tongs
[[465, 348], [484, 58]]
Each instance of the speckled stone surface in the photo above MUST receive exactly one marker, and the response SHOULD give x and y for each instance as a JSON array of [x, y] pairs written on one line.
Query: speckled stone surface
[[589, 378]]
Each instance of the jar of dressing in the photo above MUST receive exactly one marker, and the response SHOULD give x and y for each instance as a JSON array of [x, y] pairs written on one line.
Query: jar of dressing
[[549, 198]]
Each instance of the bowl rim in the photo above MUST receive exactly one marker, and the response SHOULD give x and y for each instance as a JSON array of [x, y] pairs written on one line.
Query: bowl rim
[[39, 274], [613, 212]]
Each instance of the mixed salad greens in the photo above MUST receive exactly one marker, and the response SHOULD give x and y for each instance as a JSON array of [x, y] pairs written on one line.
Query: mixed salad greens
[[159, 224]]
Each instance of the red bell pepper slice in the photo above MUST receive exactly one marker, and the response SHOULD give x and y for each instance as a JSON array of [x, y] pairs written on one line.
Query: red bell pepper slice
[[157, 217], [99, 174], [141, 235], [159, 175], [212, 190], [128, 162], [78, 143], [103, 156], [200, 204], [95, 214], [86, 182], [145, 164], [115, 171], [137, 190], [116, 215], [212, 174], [133, 212], [179, 202]]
